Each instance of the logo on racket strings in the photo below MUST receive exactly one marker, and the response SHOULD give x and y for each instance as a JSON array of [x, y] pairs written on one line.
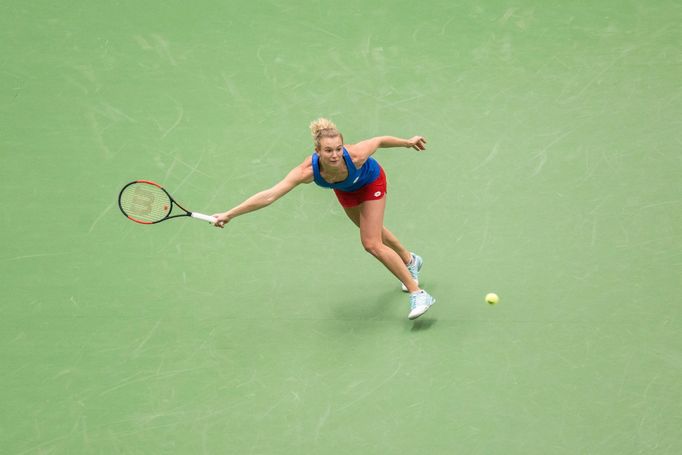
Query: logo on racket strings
[[143, 200]]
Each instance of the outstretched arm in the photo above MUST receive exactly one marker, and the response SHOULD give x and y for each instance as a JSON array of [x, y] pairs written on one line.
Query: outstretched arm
[[300, 174], [365, 149], [416, 142]]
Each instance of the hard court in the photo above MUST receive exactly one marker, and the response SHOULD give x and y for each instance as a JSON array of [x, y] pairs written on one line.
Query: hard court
[[552, 177]]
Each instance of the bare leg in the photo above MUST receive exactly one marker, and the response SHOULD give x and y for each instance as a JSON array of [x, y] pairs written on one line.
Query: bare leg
[[387, 236], [393, 243], [371, 223]]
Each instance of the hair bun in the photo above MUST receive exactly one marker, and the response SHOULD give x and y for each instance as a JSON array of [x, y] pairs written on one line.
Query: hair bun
[[317, 126], [323, 127]]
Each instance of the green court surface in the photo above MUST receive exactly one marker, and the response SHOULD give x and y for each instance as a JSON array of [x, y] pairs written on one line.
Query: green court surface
[[552, 177]]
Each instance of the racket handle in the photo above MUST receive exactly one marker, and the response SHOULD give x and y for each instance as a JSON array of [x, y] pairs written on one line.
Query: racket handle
[[201, 216]]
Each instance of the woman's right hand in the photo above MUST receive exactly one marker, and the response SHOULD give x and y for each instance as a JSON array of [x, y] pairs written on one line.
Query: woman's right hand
[[221, 219]]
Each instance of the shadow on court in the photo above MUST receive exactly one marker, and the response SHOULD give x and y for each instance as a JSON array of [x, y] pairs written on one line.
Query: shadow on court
[[423, 323], [366, 305], [390, 305]]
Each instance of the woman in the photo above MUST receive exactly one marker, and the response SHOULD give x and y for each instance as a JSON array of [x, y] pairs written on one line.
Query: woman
[[360, 186]]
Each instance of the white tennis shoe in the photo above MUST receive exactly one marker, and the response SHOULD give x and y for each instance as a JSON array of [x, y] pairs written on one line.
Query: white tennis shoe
[[414, 267], [420, 302]]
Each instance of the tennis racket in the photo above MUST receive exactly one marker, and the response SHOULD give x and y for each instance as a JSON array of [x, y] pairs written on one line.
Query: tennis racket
[[146, 202]]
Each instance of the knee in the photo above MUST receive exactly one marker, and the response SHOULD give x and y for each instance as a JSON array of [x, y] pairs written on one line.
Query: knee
[[372, 246]]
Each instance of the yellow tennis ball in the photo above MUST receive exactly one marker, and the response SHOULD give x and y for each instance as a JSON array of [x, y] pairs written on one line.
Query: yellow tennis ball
[[492, 298]]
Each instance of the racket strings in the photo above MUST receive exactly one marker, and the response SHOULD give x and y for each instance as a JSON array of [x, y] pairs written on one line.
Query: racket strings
[[145, 202]]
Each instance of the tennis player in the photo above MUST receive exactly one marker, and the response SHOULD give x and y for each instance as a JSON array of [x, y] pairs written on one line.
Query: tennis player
[[360, 186]]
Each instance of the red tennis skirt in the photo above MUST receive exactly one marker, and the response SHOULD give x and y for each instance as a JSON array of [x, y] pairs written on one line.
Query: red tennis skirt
[[370, 192]]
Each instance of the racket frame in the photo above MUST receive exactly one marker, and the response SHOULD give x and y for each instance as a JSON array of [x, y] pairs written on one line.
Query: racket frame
[[196, 215]]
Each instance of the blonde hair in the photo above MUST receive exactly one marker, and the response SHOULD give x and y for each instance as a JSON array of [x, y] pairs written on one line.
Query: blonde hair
[[323, 127]]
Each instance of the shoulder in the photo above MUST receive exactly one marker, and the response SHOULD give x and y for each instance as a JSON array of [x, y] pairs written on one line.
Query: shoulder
[[361, 151], [304, 171]]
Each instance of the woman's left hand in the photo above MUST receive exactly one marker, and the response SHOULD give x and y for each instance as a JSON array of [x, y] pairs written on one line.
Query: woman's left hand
[[417, 143]]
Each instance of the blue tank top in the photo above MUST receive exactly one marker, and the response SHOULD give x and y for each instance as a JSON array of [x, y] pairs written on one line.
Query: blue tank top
[[357, 178]]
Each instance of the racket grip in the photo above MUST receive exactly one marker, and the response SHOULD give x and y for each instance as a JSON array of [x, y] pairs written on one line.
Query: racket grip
[[201, 216]]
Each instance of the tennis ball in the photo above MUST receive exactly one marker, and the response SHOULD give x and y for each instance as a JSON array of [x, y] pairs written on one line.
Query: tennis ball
[[492, 298]]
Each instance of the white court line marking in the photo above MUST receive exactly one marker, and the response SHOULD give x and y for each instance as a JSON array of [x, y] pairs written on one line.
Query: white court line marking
[[163, 49], [180, 110], [101, 215], [319, 29], [542, 154], [374, 389], [489, 158], [322, 420], [147, 338], [660, 204], [33, 256], [193, 169]]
